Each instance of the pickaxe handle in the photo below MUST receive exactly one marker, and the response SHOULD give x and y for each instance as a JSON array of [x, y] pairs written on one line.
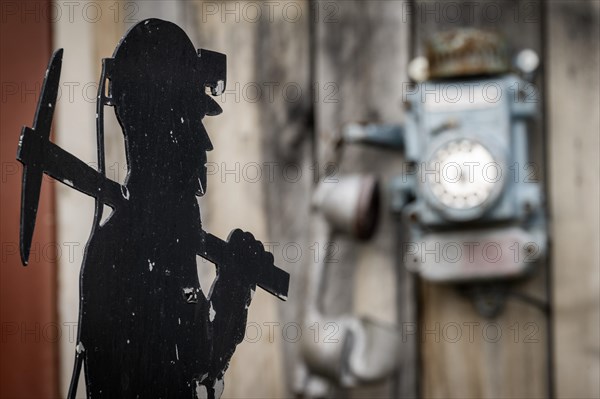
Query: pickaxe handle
[[270, 278]]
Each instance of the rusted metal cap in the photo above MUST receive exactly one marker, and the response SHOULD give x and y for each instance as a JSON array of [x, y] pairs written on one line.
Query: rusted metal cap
[[466, 52]]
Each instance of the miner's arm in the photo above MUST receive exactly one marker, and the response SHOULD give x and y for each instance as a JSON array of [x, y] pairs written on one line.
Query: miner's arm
[[242, 264], [68, 169]]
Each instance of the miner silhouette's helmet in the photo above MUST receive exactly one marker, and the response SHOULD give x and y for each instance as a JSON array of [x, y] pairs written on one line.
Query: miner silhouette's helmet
[[155, 69]]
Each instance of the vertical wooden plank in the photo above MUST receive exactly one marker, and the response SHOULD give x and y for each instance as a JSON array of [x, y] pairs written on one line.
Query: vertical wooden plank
[[463, 354], [283, 72], [233, 199], [361, 58], [573, 82], [29, 329], [75, 132]]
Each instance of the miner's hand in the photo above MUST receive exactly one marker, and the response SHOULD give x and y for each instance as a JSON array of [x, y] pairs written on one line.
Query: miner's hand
[[246, 260], [268, 276]]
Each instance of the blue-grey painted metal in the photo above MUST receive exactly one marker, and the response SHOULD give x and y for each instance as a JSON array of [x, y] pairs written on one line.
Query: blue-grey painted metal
[[468, 196]]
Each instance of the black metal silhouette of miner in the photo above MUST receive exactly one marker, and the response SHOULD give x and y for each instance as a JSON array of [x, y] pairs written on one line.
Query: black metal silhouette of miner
[[146, 329]]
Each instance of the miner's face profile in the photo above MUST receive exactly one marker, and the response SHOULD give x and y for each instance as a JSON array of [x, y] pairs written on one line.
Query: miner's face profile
[[174, 146], [160, 107]]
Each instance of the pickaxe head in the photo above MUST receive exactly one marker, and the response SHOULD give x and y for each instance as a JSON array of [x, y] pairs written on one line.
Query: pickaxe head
[[31, 153]]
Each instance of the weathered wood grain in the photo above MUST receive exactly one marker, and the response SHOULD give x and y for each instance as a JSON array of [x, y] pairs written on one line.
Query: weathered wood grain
[[283, 62], [235, 198], [361, 52], [573, 92], [75, 132], [349, 59]]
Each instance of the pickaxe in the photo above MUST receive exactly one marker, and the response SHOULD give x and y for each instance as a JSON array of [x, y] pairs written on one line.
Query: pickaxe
[[39, 155]]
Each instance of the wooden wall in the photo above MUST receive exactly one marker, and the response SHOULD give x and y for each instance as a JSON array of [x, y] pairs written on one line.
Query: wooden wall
[[573, 114], [28, 317], [298, 72], [362, 50]]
